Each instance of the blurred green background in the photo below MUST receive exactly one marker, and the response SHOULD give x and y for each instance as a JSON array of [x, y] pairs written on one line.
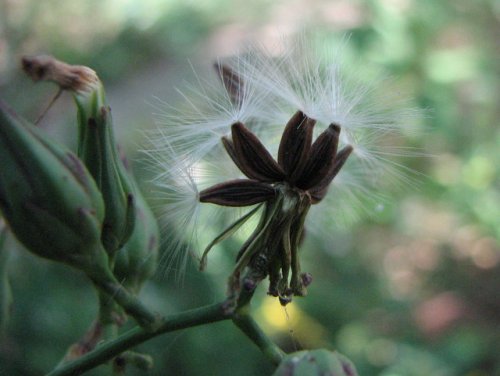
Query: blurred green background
[[412, 291]]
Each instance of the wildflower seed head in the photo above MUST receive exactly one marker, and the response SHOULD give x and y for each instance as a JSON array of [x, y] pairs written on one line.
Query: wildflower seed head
[[319, 82], [287, 188], [296, 125]]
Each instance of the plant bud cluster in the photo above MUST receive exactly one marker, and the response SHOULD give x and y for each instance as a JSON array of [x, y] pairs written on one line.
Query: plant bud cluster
[[83, 210]]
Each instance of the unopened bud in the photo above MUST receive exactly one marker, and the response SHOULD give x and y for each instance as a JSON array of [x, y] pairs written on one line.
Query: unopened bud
[[47, 196], [96, 143], [98, 150], [315, 363]]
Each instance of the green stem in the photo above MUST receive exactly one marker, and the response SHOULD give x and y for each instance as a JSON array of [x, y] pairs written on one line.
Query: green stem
[[247, 325], [135, 336], [244, 298], [108, 323], [129, 302], [107, 316]]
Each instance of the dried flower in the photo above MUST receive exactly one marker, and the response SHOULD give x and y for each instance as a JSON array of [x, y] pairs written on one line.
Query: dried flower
[[252, 101], [77, 78], [289, 187]]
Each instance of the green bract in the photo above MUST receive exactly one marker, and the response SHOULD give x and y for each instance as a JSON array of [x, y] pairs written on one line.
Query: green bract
[[319, 362], [136, 261], [47, 195], [98, 150]]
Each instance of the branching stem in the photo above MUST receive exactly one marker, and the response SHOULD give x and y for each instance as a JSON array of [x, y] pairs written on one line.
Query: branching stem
[[195, 317], [135, 336]]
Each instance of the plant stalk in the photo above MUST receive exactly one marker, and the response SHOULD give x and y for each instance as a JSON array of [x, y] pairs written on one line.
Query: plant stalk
[[135, 336], [249, 327]]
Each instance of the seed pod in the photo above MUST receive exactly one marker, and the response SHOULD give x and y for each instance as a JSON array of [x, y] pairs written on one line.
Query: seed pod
[[318, 362], [137, 260], [47, 196], [97, 149]]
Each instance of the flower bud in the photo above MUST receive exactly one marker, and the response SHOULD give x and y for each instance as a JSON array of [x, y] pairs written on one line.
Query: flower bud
[[318, 362], [137, 260], [98, 150], [47, 196]]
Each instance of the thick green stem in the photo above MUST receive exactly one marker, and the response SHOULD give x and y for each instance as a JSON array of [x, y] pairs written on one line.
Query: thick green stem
[[247, 324], [133, 337]]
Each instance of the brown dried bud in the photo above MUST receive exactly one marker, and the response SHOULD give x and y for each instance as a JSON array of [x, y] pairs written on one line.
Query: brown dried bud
[[77, 78]]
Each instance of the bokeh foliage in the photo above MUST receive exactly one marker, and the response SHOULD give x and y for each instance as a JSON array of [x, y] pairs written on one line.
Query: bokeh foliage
[[410, 290]]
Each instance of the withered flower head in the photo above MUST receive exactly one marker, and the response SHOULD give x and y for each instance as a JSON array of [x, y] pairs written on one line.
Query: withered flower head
[[76, 78], [254, 96], [288, 187]]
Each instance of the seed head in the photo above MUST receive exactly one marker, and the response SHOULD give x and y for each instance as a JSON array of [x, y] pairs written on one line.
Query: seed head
[[296, 126]]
